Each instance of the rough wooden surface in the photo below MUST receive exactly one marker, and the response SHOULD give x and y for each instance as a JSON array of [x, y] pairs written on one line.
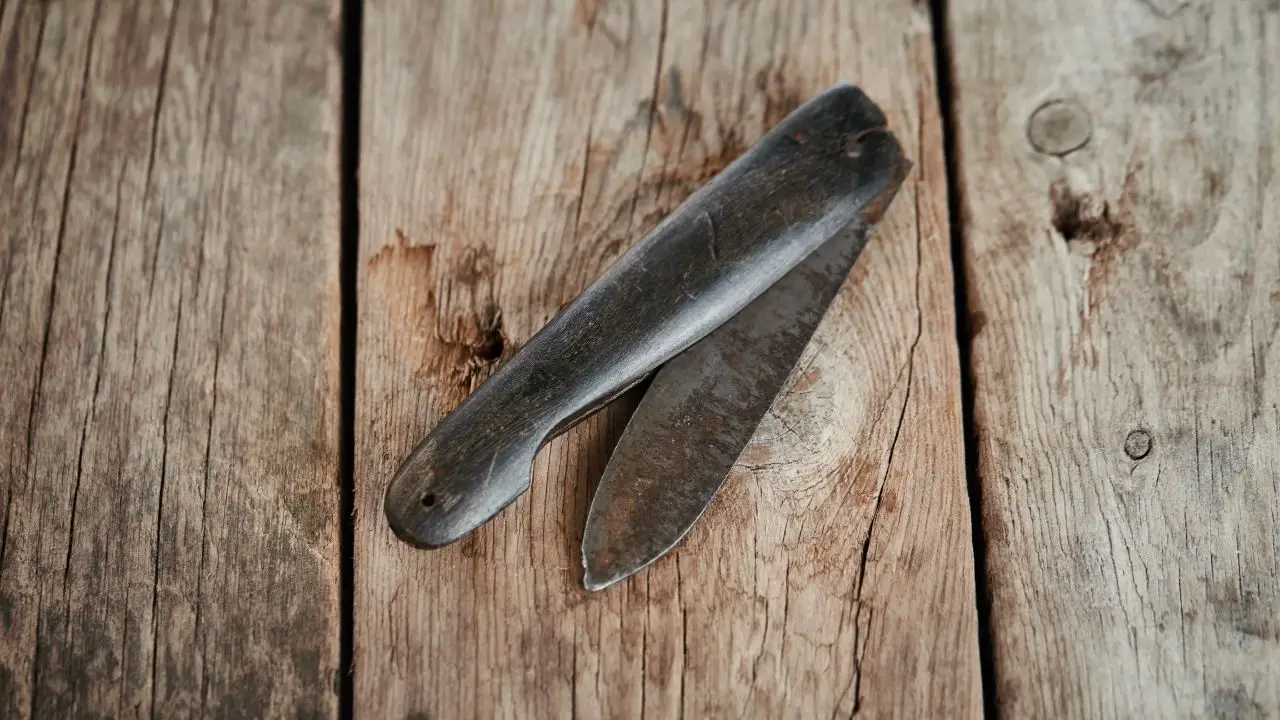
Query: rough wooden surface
[[508, 155], [1125, 302], [168, 305]]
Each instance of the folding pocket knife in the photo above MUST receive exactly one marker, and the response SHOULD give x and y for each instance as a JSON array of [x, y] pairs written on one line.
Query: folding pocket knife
[[720, 298]]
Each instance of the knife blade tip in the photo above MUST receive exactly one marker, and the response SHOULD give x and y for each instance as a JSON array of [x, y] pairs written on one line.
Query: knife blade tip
[[599, 579]]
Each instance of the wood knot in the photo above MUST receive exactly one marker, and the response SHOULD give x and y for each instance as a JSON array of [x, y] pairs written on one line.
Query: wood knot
[[490, 348], [1137, 444], [1081, 218], [492, 341], [1059, 127], [483, 345]]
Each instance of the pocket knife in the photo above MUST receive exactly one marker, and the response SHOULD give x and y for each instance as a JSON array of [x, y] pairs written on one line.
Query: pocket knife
[[716, 303]]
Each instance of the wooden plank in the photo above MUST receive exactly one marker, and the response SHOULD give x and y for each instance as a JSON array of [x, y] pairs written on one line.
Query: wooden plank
[[169, 305], [1126, 299], [508, 155]]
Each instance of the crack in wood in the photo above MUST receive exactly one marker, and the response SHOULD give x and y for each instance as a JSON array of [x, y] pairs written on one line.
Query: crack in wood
[[875, 511], [26, 99], [160, 86], [653, 113]]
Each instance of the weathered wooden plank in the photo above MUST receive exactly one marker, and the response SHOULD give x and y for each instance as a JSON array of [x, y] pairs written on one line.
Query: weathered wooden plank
[[508, 155], [169, 315], [1126, 299]]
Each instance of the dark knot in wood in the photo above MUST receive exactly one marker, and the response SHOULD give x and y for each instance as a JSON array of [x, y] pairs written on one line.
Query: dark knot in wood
[[1137, 445]]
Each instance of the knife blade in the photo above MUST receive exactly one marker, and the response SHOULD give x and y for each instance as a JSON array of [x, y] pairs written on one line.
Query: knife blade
[[829, 163], [699, 413]]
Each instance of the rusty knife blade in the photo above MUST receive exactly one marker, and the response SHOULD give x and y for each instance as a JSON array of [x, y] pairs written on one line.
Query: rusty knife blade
[[701, 410]]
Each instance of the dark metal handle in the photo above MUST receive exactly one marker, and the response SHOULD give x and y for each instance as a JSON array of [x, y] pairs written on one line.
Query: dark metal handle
[[819, 169]]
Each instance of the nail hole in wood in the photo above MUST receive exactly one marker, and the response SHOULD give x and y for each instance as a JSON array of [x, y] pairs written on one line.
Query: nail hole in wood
[[428, 500]]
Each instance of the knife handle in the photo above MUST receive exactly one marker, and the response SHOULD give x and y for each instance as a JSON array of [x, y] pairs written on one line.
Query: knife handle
[[829, 162]]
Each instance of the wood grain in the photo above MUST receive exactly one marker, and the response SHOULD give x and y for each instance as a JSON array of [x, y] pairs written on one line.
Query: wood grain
[[169, 314], [1126, 300], [508, 155]]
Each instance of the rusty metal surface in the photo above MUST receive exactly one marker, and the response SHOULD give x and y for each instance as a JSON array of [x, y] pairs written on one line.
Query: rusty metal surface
[[830, 163]]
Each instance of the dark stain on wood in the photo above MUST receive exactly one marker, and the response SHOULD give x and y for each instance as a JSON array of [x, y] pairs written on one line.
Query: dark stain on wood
[[682, 124], [977, 323], [780, 96], [1160, 60], [492, 338], [995, 530], [1234, 704], [1243, 611], [889, 500], [405, 274], [586, 12], [1213, 184], [471, 323], [484, 349], [1206, 332], [475, 267], [675, 106], [1093, 226], [412, 259], [1081, 219]]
